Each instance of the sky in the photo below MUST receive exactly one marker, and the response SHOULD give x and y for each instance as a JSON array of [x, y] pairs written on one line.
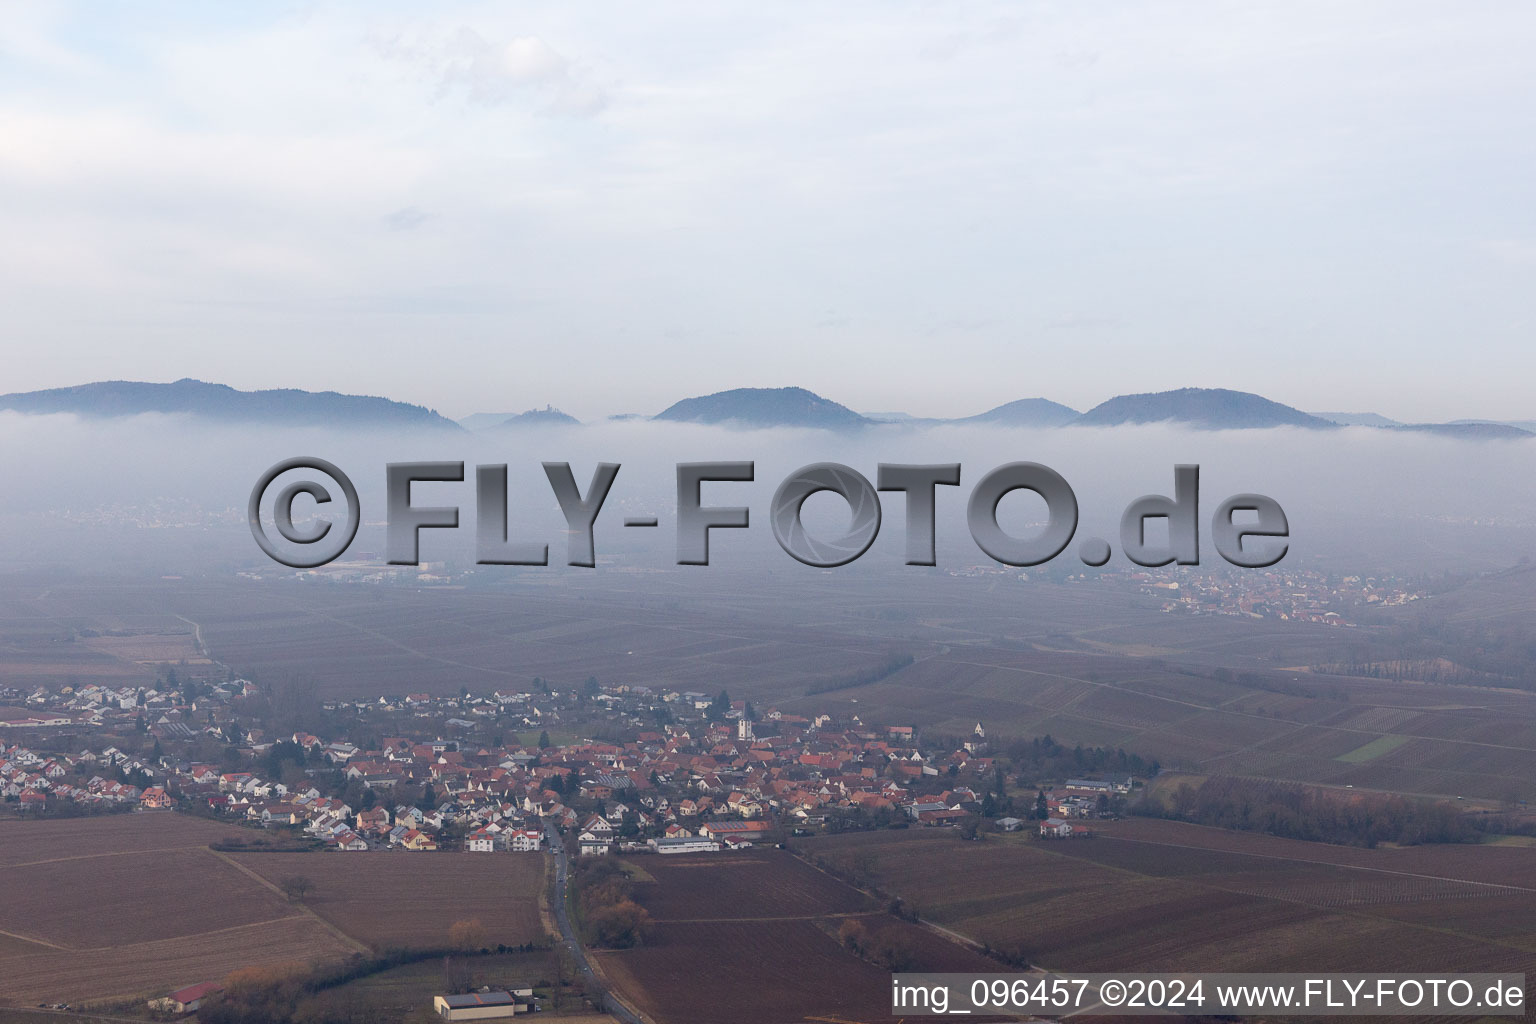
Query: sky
[[926, 207]]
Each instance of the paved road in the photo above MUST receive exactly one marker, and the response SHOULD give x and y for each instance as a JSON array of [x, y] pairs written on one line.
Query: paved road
[[595, 987]]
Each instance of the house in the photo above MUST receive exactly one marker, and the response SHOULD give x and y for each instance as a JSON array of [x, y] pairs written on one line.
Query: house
[[1010, 824], [1056, 828], [417, 840], [589, 845], [186, 1000], [280, 814], [373, 818], [486, 1005], [598, 826], [351, 842], [523, 840], [480, 842], [155, 798]]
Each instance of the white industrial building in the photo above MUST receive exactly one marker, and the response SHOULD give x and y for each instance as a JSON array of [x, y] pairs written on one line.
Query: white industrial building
[[684, 844], [483, 1005]]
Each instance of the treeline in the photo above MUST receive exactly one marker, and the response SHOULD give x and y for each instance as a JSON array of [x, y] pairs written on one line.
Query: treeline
[[1046, 758], [1466, 637], [1426, 670], [610, 917], [887, 668], [1300, 812], [299, 993]]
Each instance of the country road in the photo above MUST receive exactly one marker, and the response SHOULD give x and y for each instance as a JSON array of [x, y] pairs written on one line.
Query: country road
[[595, 985]]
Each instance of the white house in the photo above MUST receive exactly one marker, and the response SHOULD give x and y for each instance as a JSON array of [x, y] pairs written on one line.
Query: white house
[[523, 840], [589, 845]]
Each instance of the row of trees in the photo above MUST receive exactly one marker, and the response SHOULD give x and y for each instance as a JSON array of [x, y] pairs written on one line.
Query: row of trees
[[885, 669], [303, 993], [1299, 812]]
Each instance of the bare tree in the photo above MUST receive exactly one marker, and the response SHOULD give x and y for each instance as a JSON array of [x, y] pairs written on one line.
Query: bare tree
[[297, 887]]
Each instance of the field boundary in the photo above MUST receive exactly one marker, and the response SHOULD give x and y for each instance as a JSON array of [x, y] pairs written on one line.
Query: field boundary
[[37, 942], [346, 939]]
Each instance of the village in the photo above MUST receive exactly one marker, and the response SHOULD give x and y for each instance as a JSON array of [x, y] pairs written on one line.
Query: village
[[675, 772], [1286, 595]]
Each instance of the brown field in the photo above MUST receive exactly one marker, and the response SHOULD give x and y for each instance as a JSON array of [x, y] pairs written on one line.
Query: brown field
[[1496, 864], [697, 973], [771, 918], [711, 887], [1153, 895], [26, 842], [137, 904], [151, 968], [108, 900], [399, 899], [150, 648], [69, 667]]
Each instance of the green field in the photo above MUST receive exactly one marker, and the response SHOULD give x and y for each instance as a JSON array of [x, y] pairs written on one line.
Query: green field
[[1372, 750]]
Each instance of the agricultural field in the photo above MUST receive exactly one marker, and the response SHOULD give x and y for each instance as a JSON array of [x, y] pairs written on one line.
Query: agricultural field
[[1374, 749], [771, 918], [29, 842], [137, 904], [159, 647], [147, 969], [1157, 895], [410, 900], [712, 888], [93, 901]]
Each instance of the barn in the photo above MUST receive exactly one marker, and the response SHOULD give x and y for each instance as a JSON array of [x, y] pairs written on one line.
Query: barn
[[479, 1006]]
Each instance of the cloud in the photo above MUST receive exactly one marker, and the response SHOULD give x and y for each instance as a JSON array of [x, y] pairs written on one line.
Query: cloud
[[494, 73], [530, 59], [406, 218]]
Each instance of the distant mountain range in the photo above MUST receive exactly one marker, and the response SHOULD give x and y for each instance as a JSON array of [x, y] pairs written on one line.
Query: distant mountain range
[[1469, 431], [1205, 408], [1526, 425], [765, 407], [1357, 419], [220, 402], [1212, 408], [548, 416], [1026, 412]]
